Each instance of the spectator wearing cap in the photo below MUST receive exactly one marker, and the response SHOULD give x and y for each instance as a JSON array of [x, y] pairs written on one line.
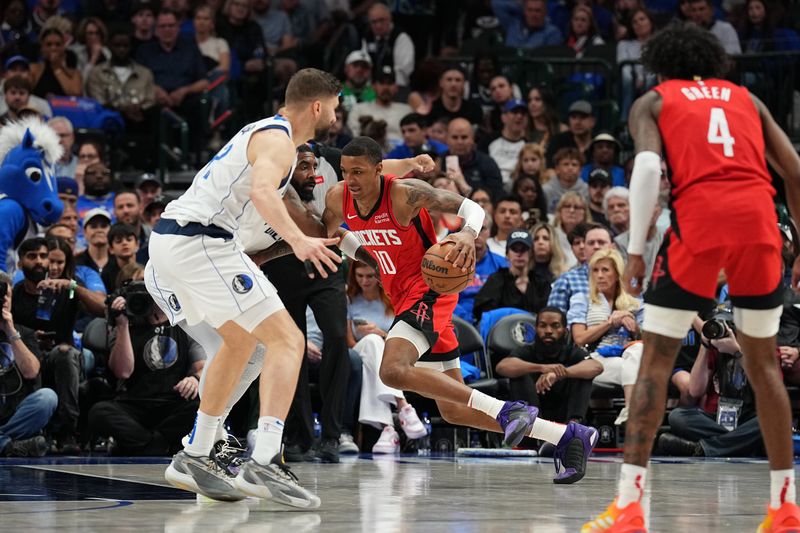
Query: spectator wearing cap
[[599, 184], [581, 122], [616, 205], [357, 87], [383, 108], [143, 19], [486, 264], [16, 94], [179, 73], [603, 154], [525, 23], [123, 246], [96, 225], [18, 66], [451, 103], [149, 187], [568, 163], [66, 137], [501, 91], [415, 139], [67, 191], [506, 146], [518, 285], [388, 45], [128, 209], [474, 168], [125, 86]]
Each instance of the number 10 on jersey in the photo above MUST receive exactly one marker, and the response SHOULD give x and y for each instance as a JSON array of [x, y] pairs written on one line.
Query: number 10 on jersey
[[718, 131], [385, 262]]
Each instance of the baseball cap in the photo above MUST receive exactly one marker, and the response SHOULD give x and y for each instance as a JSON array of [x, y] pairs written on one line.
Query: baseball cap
[[67, 185], [385, 74], [13, 60], [514, 103], [96, 212], [607, 137], [147, 178], [158, 201], [520, 235], [356, 56], [600, 175], [581, 107]]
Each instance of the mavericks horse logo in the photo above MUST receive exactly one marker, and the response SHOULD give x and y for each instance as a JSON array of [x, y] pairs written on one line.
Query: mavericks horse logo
[[242, 283]]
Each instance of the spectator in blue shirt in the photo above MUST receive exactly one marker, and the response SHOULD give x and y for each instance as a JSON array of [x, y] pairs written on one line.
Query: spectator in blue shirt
[[415, 141], [486, 264], [526, 24], [603, 153], [576, 281]]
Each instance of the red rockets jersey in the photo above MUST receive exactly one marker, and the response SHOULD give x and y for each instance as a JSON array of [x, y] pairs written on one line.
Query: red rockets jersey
[[398, 249], [714, 143]]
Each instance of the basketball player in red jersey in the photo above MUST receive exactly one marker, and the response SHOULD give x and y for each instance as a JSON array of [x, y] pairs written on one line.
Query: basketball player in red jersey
[[389, 217], [715, 136]]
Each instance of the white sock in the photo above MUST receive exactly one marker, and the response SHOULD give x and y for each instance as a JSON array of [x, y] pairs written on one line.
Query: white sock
[[222, 433], [781, 487], [201, 439], [485, 403], [268, 439], [546, 430], [632, 480]]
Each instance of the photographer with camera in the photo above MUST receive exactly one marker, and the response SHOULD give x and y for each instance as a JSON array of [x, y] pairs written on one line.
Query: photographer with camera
[[160, 365], [724, 422], [49, 306], [25, 407]]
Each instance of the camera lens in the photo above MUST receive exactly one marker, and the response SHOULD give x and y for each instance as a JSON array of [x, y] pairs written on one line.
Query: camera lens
[[139, 304], [713, 329]]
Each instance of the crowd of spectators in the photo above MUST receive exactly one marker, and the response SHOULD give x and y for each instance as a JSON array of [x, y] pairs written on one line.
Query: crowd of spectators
[[553, 185]]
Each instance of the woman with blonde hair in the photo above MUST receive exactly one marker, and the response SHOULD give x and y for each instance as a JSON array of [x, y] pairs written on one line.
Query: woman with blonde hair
[[547, 256], [606, 321], [369, 317], [571, 210]]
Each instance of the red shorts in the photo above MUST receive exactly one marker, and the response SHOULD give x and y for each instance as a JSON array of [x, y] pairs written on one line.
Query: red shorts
[[433, 316], [688, 280]]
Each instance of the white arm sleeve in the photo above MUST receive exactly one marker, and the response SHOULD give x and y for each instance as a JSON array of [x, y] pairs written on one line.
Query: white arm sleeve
[[349, 244], [473, 215], [645, 183]]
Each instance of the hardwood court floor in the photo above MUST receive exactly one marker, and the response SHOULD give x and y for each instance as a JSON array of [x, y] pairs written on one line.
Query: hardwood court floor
[[385, 494]]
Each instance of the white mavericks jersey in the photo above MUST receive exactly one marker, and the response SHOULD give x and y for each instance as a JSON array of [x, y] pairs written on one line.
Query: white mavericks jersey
[[220, 192]]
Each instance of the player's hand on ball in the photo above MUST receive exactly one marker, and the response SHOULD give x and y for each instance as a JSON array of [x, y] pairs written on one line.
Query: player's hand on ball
[[462, 254], [316, 251], [634, 274]]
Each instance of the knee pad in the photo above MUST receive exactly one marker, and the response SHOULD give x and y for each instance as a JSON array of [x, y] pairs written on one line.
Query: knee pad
[[758, 323], [672, 323]]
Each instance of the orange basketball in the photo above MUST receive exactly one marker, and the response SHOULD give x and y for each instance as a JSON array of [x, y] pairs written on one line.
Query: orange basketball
[[441, 275]]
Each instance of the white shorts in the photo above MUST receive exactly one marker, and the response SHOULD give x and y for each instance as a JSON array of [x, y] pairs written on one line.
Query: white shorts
[[209, 279], [403, 330]]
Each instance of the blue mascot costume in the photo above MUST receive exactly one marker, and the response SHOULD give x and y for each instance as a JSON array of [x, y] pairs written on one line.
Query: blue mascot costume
[[28, 192]]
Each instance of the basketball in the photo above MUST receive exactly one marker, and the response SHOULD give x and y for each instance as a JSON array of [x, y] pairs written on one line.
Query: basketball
[[441, 275]]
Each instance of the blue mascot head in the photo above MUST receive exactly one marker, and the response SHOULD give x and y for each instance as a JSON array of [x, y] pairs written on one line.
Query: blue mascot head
[[28, 149]]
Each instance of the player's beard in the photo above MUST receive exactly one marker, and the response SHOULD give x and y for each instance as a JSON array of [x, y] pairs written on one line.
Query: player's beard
[[321, 132]]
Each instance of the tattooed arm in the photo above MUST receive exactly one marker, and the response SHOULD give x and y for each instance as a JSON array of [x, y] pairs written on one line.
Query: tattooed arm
[[409, 196]]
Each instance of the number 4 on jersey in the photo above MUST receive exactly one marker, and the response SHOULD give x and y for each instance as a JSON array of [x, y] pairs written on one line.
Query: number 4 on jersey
[[718, 131]]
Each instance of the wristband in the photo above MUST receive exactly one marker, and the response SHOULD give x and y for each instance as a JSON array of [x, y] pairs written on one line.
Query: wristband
[[15, 337], [349, 244], [473, 215]]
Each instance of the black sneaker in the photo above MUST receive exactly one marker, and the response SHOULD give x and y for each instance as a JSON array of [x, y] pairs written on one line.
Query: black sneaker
[[231, 454], [32, 447], [66, 445], [669, 444], [293, 453], [328, 450]]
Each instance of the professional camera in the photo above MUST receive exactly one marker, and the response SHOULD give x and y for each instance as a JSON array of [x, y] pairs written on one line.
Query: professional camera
[[718, 325], [138, 302]]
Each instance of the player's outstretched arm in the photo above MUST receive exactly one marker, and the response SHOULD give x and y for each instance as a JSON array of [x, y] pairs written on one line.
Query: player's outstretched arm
[[332, 217], [784, 159], [401, 167], [411, 195], [643, 123], [271, 154]]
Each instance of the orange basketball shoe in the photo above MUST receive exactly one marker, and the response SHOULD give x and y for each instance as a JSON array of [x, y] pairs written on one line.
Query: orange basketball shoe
[[784, 519], [629, 519]]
